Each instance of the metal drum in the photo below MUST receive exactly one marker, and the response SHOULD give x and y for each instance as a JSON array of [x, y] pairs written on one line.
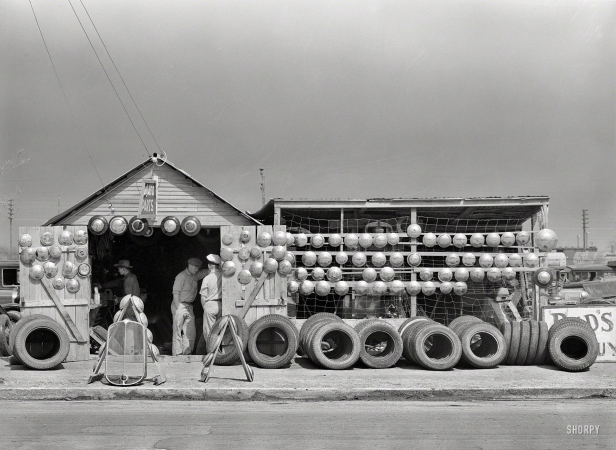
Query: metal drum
[[324, 259], [477, 240], [413, 287], [414, 259], [508, 239], [515, 260], [280, 238], [362, 287], [461, 274], [429, 239], [126, 353], [546, 240], [341, 288], [334, 274], [301, 240], [387, 274], [414, 230], [501, 260], [444, 240], [393, 238], [425, 274], [359, 259], [493, 240], [264, 239], [468, 259], [493, 274], [309, 258], [477, 275], [428, 288], [460, 288], [379, 259], [256, 269], [335, 240], [351, 241], [380, 241], [452, 260], [460, 240], [365, 240], [369, 275], [228, 268], [323, 288], [396, 287], [446, 287], [318, 274], [522, 238], [486, 260], [396, 259], [317, 241]]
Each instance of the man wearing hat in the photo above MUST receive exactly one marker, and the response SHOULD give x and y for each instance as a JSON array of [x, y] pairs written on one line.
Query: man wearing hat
[[211, 294], [184, 293], [129, 283]]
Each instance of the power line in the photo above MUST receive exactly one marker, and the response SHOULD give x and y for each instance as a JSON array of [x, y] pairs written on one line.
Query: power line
[[108, 78], [83, 141], [120, 75]]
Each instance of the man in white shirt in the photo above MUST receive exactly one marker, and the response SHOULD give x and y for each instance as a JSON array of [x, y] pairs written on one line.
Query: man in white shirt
[[211, 294]]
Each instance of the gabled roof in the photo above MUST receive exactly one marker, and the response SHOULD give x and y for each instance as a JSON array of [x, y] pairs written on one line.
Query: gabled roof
[[147, 163]]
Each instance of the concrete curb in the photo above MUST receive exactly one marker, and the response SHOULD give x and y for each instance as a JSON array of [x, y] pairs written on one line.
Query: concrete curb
[[291, 394]]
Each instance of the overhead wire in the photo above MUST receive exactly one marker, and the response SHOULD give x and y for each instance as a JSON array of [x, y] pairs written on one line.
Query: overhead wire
[[67, 102], [109, 78], [120, 75]]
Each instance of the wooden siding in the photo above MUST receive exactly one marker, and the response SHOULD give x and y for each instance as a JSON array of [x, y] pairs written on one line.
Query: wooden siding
[[178, 196]]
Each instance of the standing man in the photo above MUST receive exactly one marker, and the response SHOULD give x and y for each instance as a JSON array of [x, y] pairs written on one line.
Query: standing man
[[211, 294], [184, 293], [129, 283]]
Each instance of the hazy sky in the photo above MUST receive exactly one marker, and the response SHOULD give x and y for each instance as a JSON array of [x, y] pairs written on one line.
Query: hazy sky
[[334, 99]]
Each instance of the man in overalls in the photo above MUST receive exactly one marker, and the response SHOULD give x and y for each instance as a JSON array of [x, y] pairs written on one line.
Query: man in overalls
[[184, 293]]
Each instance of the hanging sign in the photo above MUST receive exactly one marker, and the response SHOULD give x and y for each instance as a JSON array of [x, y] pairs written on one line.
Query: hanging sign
[[148, 200]]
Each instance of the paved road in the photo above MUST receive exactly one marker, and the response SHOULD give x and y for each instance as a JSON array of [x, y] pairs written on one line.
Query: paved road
[[296, 425]]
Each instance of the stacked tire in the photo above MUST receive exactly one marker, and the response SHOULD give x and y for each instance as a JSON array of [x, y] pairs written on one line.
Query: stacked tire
[[572, 344], [272, 341], [483, 345], [526, 342], [430, 344], [39, 342], [380, 344], [329, 342]]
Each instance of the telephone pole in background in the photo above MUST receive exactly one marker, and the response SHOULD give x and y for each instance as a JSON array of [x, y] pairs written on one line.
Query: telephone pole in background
[[584, 225], [11, 211], [262, 186]]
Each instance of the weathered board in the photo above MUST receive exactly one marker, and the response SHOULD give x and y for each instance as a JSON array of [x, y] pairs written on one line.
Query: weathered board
[[600, 317], [271, 297], [71, 310]]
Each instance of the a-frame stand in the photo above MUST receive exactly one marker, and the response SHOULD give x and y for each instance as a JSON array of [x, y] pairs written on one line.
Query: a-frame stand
[[97, 375], [208, 361]]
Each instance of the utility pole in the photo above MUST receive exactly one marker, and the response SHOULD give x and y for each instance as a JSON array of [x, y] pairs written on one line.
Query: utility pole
[[584, 225], [262, 186], [11, 213]]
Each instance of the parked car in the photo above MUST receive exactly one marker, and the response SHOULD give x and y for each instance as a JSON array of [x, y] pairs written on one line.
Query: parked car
[[9, 288]]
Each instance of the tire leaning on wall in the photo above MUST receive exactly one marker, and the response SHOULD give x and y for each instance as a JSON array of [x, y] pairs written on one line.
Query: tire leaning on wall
[[228, 353], [5, 330], [41, 344], [445, 348], [573, 345], [345, 349], [308, 324], [19, 324], [281, 344], [373, 332], [489, 352]]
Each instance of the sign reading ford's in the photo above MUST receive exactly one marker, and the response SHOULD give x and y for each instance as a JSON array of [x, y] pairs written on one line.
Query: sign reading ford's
[[600, 317]]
